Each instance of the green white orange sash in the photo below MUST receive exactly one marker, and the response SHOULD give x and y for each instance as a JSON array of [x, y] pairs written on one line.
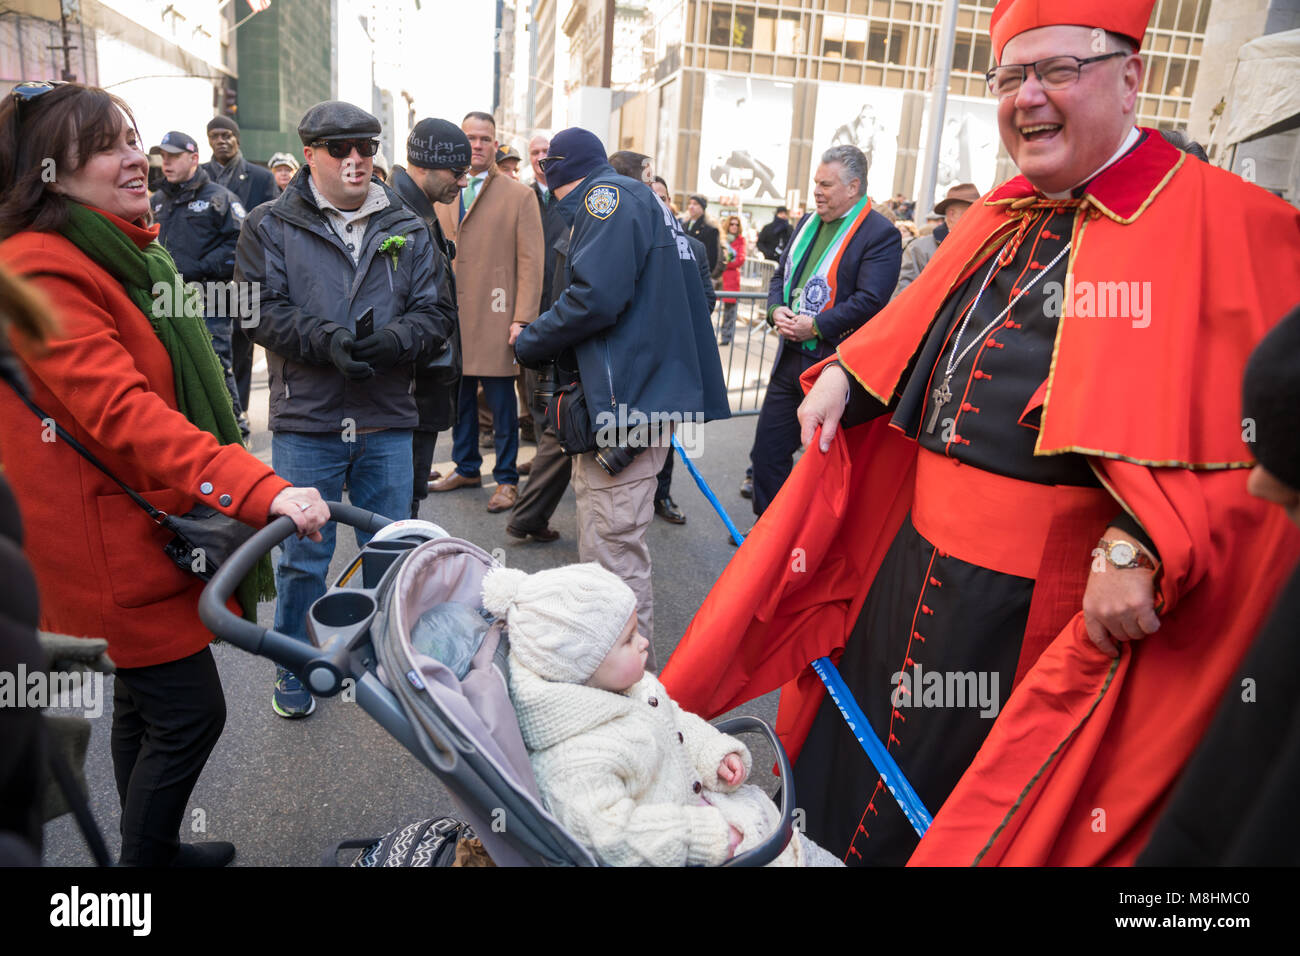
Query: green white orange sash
[[829, 263]]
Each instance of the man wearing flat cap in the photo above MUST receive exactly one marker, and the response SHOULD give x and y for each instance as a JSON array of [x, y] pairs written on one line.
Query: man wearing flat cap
[[349, 310], [437, 157], [1023, 525]]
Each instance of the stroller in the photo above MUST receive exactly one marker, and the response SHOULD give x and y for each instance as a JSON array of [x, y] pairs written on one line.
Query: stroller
[[463, 730]]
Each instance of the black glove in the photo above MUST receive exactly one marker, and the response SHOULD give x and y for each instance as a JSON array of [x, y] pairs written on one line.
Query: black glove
[[382, 350], [342, 342]]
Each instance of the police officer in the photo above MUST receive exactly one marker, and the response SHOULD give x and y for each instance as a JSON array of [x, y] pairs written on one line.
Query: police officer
[[640, 338], [199, 225]]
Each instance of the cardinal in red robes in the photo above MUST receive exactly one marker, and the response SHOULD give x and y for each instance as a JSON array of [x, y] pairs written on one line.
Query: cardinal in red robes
[[1021, 528]]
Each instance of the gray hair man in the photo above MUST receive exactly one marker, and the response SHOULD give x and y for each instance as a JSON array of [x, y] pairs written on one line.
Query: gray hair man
[[815, 306]]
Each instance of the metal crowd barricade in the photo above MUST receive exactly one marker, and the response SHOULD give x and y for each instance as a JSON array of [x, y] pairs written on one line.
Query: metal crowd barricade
[[747, 360]]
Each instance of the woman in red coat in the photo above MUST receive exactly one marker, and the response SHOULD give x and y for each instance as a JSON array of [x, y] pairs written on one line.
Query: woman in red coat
[[733, 252], [73, 209]]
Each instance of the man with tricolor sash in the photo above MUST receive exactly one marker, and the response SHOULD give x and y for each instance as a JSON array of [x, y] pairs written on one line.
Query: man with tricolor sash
[[1022, 529], [834, 276]]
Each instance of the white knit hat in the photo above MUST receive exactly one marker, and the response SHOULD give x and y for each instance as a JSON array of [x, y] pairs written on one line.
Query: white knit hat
[[562, 621]]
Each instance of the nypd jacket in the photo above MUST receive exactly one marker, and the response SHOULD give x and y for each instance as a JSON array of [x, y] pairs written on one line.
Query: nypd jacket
[[253, 184], [640, 333], [200, 224], [309, 287]]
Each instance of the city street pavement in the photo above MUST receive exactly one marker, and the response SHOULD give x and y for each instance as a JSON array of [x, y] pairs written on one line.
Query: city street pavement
[[283, 791]]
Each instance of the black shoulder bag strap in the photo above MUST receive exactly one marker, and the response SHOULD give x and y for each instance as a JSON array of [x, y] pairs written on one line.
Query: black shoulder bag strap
[[81, 450]]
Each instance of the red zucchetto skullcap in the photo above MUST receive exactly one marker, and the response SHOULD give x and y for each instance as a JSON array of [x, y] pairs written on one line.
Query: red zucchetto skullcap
[[1126, 17]]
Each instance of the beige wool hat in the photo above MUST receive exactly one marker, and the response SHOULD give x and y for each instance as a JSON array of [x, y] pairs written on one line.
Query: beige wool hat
[[562, 621]]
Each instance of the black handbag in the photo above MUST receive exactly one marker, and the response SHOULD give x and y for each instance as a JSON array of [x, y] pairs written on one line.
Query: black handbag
[[568, 417], [204, 537]]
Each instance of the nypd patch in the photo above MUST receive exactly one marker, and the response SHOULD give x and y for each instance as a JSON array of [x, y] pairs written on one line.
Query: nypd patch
[[237, 210], [199, 205], [601, 201]]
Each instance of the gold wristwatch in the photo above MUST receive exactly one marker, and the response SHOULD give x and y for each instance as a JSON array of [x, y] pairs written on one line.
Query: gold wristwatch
[[1125, 555]]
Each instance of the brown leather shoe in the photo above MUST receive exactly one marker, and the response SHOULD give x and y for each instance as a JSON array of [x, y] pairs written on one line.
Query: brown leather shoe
[[504, 499], [546, 535], [456, 480]]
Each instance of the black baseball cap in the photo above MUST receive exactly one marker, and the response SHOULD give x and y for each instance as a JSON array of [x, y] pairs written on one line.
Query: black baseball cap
[[176, 142]]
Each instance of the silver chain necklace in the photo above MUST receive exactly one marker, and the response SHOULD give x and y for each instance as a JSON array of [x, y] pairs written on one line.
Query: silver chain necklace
[[943, 394]]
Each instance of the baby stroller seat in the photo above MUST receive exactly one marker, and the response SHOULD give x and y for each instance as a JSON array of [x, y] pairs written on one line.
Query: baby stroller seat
[[464, 730]]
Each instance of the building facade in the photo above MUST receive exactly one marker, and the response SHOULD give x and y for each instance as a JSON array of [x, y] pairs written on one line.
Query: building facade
[[738, 98]]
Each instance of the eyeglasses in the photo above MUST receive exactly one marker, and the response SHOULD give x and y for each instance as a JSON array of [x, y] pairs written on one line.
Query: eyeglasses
[[1054, 73], [458, 172], [342, 148], [545, 164]]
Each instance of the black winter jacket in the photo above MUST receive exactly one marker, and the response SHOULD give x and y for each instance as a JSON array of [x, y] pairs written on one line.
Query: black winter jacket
[[253, 184], [434, 396], [310, 288]]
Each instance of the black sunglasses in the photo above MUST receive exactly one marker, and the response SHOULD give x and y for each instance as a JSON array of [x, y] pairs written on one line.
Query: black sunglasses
[[547, 162], [458, 172], [23, 93], [342, 148]]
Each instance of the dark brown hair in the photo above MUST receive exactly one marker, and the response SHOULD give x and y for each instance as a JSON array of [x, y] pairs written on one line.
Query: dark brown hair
[[66, 125], [629, 164]]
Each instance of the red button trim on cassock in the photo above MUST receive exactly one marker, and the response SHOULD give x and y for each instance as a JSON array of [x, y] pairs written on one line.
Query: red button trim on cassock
[[994, 345], [1012, 324], [978, 374], [968, 407], [895, 740]]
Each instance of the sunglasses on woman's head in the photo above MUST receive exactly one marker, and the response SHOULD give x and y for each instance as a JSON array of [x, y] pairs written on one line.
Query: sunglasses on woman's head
[[342, 148], [23, 93]]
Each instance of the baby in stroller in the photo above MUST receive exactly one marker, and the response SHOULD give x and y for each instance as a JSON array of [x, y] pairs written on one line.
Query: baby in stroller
[[634, 778]]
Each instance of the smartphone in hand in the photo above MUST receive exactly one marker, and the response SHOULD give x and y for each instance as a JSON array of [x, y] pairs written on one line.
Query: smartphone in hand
[[366, 324]]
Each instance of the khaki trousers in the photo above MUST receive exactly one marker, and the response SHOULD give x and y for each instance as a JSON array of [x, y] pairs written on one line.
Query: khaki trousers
[[613, 516]]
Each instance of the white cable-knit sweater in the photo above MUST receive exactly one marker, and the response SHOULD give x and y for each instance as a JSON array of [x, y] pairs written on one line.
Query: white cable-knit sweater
[[625, 773]]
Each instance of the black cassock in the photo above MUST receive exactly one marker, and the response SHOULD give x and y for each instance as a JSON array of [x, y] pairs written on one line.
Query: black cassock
[[929, 610]]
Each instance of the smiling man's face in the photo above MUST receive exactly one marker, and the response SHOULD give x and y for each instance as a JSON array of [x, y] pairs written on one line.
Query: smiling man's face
[[1060, 137]]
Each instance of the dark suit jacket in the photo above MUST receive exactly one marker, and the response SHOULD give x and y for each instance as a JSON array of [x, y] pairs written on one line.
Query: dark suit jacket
[[702, 259], [553, 226], [864, 282], [708, 235]]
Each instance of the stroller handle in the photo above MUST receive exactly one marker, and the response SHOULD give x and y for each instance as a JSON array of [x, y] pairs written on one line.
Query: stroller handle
[[771, 848], [249, 635]]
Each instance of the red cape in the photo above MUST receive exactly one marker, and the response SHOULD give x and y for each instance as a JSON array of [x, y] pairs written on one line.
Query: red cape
[[1154, 402]]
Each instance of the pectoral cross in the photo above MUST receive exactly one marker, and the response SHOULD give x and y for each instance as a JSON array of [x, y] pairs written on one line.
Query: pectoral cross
[[941, 396]]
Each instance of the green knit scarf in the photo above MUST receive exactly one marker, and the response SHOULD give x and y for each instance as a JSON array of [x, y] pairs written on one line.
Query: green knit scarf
[[200, 383]]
